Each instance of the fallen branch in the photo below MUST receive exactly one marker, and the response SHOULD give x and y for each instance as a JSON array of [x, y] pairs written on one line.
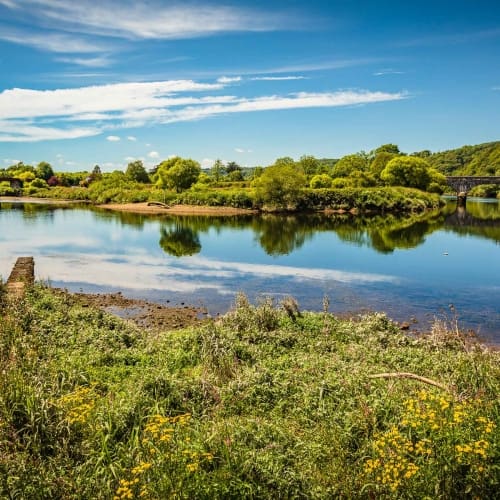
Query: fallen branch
[[412, 376], [158, 204]]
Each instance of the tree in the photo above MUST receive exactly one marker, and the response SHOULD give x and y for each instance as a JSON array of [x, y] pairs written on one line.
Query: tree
[[320, 181], [379, 162], [217, 170], [44, 171], [280, 185], [348, 164], [284, 161], [232, 166], [408, 171], [178, 173], [309, 164], [388, 148], [136, 172]]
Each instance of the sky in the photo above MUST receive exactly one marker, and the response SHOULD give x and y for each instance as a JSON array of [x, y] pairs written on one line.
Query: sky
[[110, 82]]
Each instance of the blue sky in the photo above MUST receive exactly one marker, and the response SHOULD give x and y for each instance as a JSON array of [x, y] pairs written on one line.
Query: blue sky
[[112, 81]]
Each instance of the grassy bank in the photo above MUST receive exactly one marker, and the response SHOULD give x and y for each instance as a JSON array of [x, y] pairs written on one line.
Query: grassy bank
[[377, 199], [263, 403]]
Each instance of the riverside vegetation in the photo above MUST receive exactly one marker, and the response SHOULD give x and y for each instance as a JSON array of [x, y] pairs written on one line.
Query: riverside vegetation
[[383, 180], [264, 402]]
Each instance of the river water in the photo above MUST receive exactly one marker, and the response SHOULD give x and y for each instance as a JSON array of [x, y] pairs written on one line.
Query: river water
[[444, 264]]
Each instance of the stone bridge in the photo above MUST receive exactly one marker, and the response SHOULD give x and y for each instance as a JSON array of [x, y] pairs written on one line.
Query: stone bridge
[[14, 182], [462, 184]]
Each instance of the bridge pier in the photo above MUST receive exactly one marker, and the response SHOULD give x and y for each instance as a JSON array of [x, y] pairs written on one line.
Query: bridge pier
[[461, 199]]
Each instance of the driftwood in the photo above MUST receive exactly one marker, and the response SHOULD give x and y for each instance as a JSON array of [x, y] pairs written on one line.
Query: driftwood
[[158, 204], [412, 376]]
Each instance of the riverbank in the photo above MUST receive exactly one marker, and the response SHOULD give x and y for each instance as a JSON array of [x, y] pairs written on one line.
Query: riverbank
[[264, 402]]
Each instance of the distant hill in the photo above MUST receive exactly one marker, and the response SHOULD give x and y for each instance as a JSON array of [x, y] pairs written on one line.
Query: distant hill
[[482, 159]]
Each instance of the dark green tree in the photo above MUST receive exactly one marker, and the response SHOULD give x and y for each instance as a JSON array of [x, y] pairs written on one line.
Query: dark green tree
[[136, 172], [44, 170]]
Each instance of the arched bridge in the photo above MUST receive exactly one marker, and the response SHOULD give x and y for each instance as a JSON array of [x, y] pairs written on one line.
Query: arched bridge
[[15, 183], [463, 184]]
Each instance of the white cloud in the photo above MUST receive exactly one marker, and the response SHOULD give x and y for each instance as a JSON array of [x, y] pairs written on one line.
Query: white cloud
[[239, 150], [51, 42], [11, 161], [154, 154], [389, 71], [229, 79], [151, 20], [277, 78], [131, 138], [89, 62], [33, 115], [113, 138], [207, 163]]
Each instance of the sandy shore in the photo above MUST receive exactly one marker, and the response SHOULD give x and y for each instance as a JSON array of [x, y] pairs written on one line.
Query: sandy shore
[[144, 208], [138, 208]]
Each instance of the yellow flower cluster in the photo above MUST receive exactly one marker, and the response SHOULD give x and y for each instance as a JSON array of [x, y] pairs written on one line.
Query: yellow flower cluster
[[393, 465], [160, 427], [433, 428], [124, 491], [78, 404], [195, 459], [466, 453]]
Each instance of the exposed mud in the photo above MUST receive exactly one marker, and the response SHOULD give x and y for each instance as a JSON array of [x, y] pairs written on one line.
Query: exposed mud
[[145, 314]]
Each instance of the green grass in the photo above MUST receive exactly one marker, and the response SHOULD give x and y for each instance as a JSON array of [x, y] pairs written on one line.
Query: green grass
[[265, 402]]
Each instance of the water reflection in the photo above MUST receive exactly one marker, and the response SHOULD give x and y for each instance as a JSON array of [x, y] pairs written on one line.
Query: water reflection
[[282, 235], [180, 240]]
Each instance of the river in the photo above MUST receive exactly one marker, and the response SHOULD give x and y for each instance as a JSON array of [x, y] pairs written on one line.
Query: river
[[444, 264]]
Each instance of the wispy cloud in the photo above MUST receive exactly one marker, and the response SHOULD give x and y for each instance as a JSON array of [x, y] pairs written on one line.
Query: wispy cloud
[[131, 138], [113, 138], [88, 62], [52, 42], [154, 155], [229, 79], [34, 115], [388, 71], [153, 19], [277, 78]]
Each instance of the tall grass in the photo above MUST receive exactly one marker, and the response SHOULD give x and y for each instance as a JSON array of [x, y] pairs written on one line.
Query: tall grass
[[266, 402]]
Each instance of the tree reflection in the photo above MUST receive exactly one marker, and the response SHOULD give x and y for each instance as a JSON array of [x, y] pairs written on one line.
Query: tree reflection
[[180, 240], [281, 235]]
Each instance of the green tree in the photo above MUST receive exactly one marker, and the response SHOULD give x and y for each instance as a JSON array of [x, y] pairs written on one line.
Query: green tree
[[136, 172], [178, 173], [408, 171], [388, 148], [309, 164], [232, 166], [217, 171], [379, 162], [348, 164], [320, 181], [279, 186], [44, 171]]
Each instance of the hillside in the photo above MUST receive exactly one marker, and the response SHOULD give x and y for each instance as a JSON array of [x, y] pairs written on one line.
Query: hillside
[[481, 159]]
